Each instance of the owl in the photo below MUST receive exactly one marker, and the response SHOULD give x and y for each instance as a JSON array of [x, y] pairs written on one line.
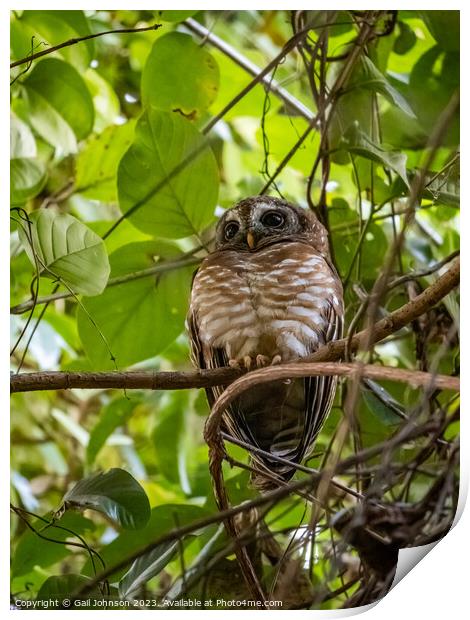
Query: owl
[[268, 294]]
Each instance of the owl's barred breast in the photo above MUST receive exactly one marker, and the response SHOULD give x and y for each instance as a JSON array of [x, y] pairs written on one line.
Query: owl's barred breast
[[271, 302]]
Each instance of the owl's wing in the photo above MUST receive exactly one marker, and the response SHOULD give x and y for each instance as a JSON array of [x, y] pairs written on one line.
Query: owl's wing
[[320, 391], [208, 358]]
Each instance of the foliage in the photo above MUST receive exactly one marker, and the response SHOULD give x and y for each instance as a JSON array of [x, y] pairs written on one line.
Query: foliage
[[118, 169]]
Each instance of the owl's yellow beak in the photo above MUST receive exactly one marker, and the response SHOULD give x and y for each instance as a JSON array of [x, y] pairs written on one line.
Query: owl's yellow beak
[[250, 239]]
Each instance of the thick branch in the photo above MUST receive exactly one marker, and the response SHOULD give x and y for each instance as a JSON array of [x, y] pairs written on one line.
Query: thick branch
[[333, 351], [150, 380]]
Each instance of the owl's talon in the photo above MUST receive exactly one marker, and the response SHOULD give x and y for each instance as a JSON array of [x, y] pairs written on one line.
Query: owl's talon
[[262, 361], [247, 361], [244, 362], [276, 360]]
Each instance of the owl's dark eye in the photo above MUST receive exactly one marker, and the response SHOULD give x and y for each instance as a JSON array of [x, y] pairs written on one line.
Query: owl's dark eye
[[231, 230], [273, 219]]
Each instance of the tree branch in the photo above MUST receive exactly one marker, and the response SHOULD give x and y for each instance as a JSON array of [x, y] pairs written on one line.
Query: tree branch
[[331, 352], [172, 380], [74, 41], [183, 261]]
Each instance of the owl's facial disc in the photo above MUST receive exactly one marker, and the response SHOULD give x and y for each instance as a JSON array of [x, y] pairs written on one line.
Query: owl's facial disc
[[260, 221]]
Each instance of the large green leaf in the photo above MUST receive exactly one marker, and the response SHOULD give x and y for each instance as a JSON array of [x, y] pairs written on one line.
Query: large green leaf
[[186, 74], [369, 77], [352, 109], [357, 142], [27, 178], [146, 567], [67, 249], [49, 123], [32, 550], [381, 404], [232, 80], [105, 100], [147, 313], [115, 493], [401, 131], [444, 27], [60, 587], [432, 82], [171, 174], [22, 142], [443, 190], [405, 40], [97, 162], [63, 89]]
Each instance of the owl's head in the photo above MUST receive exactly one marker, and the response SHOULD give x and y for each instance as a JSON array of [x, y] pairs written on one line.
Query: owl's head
[[259, 221]]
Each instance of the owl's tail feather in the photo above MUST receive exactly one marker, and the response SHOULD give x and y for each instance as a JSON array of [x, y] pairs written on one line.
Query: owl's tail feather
[[264, 479]]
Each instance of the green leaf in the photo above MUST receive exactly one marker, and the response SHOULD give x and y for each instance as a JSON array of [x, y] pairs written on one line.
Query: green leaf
[[27, 178], [22, 142], [370, 78], [28, 175], [443, 188], [357, 142], [148, 313], [381, 404], [176, 206], [69, 250], [116, 494], [63, 89], [444, 27], [353, 108], [105, 100], [432, 82], [186, 74], [174, 16], [60, 587], [169, 438], [401, 131], [233, 80], [112, 415], [32, 550], [405, 40], [97, 163], [49, 124], [146, 567]]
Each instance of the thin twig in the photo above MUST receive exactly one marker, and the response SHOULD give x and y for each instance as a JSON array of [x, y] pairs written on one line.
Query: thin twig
[[129, 277], [76, 40]]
